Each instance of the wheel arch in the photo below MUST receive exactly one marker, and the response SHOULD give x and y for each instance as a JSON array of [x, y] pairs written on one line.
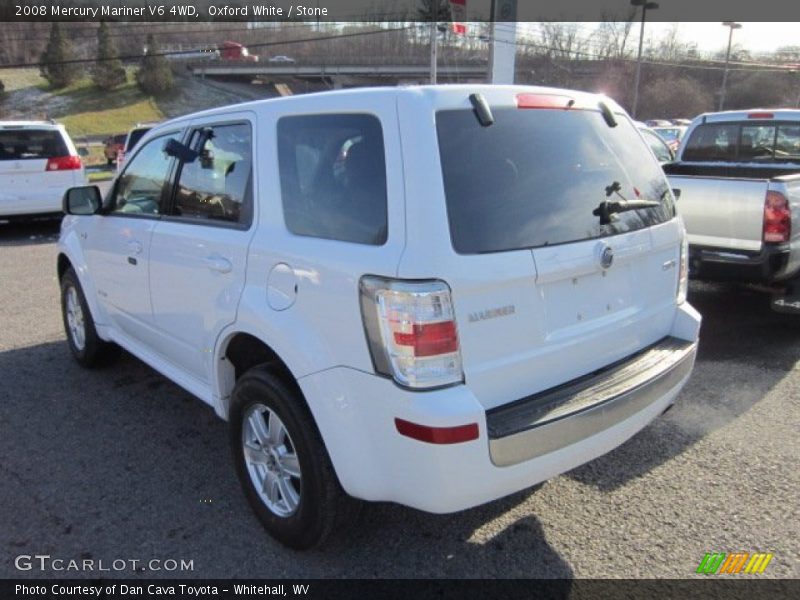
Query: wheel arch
[[70, 255], [239, 351]]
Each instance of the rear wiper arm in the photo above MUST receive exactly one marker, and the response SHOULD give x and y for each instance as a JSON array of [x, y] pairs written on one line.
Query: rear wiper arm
[[607, 208]]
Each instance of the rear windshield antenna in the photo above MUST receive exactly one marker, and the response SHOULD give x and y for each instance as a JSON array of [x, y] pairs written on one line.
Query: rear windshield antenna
[[608, 116], [482, 110]]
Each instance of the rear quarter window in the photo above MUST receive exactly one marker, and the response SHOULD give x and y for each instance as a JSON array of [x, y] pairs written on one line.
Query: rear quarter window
[[333, 177], [29, 144]]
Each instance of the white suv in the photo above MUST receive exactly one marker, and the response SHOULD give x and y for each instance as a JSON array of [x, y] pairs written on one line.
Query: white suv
[[435, 296], [38, 163]]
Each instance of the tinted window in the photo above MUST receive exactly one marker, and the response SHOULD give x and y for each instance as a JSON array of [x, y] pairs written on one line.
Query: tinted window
[[787, 143], [534, 177], [333, 177], [139, 187], [713, 141], [745, 142], [216, 185], [24, 144]]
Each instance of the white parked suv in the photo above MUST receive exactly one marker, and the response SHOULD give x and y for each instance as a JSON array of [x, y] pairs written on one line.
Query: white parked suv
[[435, 296], [38, 163]]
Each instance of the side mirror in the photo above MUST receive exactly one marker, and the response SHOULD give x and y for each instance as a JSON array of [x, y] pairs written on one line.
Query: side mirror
[[677, 193], [83, 151], [85, 200], [180, 151]]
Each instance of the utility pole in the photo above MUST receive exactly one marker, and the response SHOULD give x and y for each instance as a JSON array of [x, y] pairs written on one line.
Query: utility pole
[[732, 26], [434, 35], [645, 6]]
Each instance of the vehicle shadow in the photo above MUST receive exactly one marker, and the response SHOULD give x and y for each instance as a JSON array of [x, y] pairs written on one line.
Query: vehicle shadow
[[31, 232], [120, 462], [745, 350]]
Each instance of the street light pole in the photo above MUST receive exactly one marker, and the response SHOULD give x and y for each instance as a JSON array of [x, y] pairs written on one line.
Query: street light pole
[[732, 26], [434, 34], [645, 5]]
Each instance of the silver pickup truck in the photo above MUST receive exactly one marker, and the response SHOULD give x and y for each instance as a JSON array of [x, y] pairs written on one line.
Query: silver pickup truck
[[737, 178]]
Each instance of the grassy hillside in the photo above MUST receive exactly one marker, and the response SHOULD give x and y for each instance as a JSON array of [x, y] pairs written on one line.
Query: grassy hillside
[[87, 111]]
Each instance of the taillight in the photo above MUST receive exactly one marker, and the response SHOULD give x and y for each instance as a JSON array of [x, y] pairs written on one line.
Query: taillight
[[777, 218], [683, 268], [761, 115], [63, 163], [411, 331]]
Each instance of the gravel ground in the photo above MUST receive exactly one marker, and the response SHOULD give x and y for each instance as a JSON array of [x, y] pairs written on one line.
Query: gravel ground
[[122, 464]]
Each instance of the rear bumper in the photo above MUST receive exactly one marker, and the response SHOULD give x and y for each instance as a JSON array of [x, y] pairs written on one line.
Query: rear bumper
[[45, 201], [768, 265], [557, 418], [557, 430]]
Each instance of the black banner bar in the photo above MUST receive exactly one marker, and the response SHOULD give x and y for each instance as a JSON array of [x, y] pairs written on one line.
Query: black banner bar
[[390, 10], [728, 588]]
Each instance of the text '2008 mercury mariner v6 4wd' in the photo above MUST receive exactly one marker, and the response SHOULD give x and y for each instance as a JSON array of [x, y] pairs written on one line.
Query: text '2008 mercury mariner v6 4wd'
[[435, 296]]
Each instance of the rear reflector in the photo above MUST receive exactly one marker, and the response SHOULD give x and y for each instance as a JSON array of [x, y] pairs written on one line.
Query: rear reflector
[[777, 218], [437, 435], [64, 163], [545, 101], [761, 115]]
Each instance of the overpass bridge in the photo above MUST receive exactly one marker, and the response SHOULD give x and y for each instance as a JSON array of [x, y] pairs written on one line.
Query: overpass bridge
[[339, 74]]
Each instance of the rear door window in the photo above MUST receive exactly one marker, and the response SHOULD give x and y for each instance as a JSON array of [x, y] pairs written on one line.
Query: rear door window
[[29, 144], [534, 177], [333, 177]]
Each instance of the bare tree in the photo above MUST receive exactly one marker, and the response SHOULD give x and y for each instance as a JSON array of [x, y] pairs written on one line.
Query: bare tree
[[612, 36]]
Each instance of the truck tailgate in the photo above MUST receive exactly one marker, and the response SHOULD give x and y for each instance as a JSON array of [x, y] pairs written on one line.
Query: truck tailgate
[[722, 212]]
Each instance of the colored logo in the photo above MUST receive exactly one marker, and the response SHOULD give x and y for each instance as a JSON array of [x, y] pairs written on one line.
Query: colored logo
[[717, 563]]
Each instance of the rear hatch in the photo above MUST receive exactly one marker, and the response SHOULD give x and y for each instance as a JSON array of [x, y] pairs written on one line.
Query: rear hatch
[[36, 164], [543, 292]]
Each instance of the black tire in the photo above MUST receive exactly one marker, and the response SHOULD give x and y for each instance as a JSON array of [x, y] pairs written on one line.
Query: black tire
[[93, 352], [323, 506]]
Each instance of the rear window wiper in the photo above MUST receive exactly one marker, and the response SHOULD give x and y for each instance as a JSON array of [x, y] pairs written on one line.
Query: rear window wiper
[[607, 208]]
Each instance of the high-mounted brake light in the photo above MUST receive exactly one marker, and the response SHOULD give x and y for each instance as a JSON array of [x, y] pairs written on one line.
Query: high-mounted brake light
[[545, 101], [777, 218], [760, 115], [64, 163], [411, 331]]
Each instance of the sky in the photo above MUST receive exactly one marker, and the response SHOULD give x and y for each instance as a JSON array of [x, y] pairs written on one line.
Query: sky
[[755, 37]]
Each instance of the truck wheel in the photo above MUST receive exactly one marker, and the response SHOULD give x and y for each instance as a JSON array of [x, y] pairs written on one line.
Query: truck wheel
[[282, 463], [86, 346]]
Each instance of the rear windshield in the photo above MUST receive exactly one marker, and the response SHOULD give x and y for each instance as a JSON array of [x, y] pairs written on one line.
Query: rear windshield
[[135, 136], [534, 177], [750, 141], [28, 144]]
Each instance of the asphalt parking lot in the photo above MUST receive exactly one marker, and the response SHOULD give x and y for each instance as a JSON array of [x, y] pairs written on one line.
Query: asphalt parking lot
[[120, 463]]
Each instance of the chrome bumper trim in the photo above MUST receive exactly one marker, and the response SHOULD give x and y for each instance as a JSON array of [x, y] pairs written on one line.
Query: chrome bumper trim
[[569, 413]]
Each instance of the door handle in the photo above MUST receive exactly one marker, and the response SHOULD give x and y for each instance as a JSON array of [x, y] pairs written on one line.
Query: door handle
[[219, 264], [135, 247]]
